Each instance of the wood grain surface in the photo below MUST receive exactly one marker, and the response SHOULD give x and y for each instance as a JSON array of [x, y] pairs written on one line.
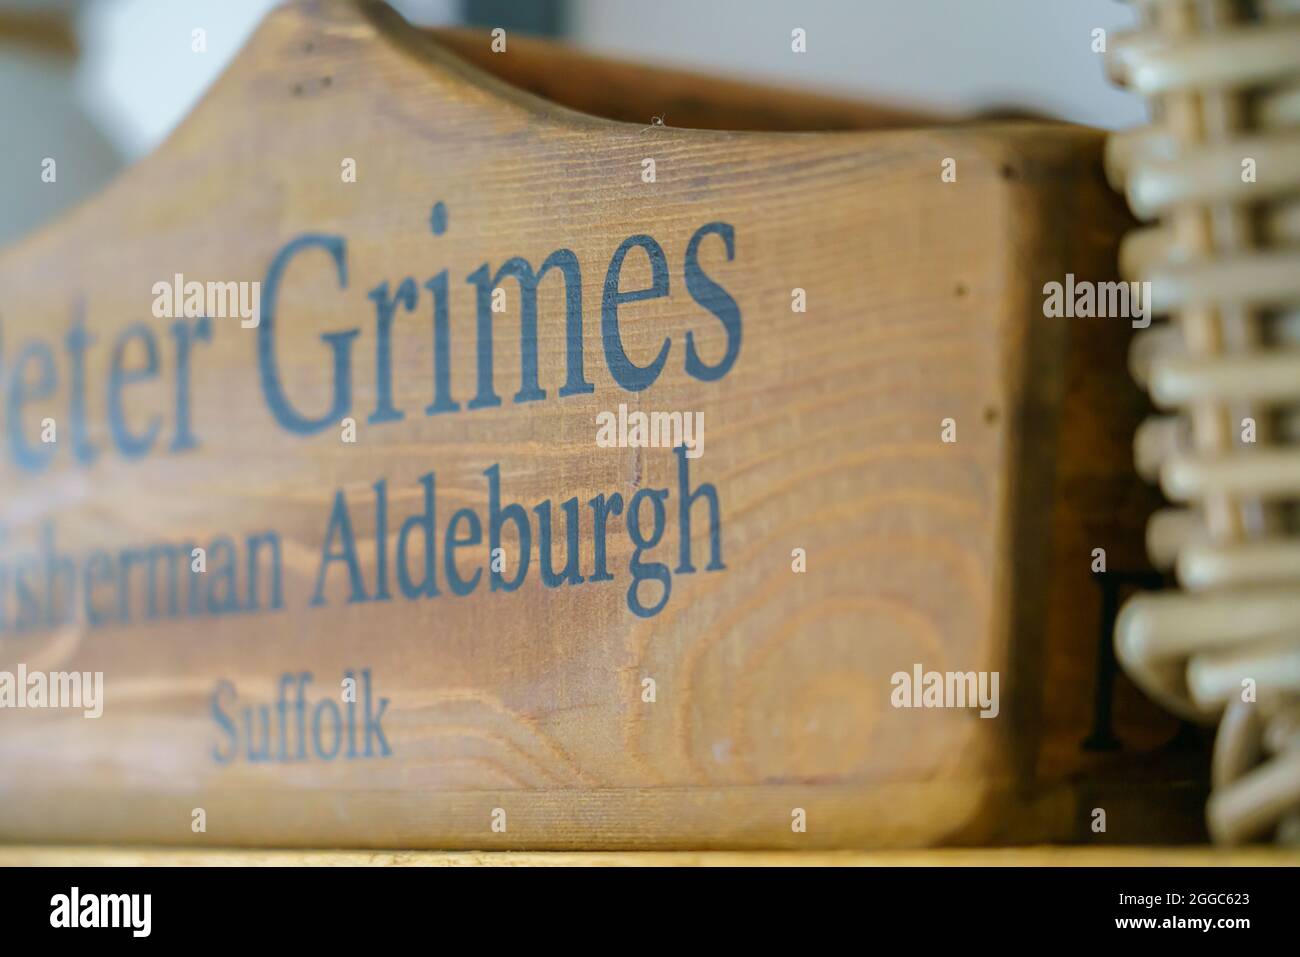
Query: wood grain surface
[[1041, 856], [823, 433]]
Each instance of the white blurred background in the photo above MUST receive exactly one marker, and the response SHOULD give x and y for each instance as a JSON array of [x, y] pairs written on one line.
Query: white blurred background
[[134, 74]]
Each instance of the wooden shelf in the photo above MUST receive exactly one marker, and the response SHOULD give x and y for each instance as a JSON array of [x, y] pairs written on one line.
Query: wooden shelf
[[1052, 856]]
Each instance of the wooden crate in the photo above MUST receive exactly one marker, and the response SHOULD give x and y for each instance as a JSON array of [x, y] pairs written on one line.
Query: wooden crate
[[521, 718]]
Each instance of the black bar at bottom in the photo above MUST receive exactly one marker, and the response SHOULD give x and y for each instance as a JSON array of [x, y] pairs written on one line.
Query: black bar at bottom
[[484, 908]]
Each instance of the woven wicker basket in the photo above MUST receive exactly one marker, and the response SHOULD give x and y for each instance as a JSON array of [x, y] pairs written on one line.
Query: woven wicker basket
[[1217, 174]]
